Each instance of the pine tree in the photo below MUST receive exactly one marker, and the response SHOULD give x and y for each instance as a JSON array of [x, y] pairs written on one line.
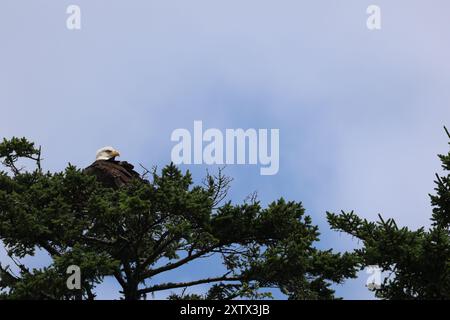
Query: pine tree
[[150, 227], [417, 262]]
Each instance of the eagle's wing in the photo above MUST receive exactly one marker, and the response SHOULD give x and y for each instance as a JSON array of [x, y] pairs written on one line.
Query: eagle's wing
[[111, 173], [130, 168]]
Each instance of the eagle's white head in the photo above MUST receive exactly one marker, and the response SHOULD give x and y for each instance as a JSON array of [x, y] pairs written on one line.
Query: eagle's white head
[[107, 153]]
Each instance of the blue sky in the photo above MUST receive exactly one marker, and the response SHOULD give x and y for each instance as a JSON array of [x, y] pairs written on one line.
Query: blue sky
[[360, 112]]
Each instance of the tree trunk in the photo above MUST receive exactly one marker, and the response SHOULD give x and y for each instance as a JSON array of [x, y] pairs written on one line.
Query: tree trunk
[[131, 291]]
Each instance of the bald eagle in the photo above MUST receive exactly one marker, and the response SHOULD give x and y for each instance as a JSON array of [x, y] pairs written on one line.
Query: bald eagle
[[109, 172]]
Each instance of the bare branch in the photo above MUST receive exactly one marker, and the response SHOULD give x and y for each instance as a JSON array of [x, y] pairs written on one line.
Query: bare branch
[[160, 245], [251, 198], [171, 266], [38, 159], [166, 286], [120, 279], [446, 131], [18, 264], [146, 171], [219, 186]]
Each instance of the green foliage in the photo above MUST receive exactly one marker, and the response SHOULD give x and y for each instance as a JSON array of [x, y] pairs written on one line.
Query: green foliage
[[16, 148], [150, 227], [418, 262]]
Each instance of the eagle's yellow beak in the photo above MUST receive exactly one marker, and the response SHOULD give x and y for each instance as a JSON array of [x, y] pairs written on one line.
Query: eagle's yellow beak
[[115, 153]]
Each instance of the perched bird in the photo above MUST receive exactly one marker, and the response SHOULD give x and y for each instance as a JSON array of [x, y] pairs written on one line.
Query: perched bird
[[109, 172]]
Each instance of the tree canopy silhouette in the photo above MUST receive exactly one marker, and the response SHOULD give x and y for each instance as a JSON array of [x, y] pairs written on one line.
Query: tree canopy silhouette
[[150, 227]]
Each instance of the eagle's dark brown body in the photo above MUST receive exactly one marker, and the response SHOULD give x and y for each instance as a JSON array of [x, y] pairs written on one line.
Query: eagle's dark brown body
[[112, 173]]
